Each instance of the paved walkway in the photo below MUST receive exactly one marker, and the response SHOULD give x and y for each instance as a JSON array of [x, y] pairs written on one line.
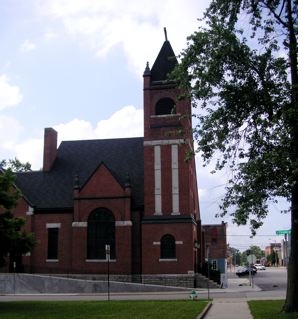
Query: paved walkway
[[229, 309]]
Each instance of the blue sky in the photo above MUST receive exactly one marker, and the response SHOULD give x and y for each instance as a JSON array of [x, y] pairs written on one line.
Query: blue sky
[[77, 66]]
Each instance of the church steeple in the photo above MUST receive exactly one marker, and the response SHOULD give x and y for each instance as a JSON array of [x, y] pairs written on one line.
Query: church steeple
[[164, 63], [170, 191]]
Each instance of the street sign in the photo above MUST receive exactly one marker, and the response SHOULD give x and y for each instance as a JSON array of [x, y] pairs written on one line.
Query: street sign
[[283, 232], [251, 259]]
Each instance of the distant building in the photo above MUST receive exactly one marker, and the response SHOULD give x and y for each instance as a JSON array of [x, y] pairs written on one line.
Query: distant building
[[274, 248], [216, 246]]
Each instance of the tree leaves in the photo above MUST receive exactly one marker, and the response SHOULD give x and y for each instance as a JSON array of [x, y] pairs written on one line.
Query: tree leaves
[[244, 101]]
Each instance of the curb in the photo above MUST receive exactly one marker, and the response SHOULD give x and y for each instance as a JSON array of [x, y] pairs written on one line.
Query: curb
[[205, 311]]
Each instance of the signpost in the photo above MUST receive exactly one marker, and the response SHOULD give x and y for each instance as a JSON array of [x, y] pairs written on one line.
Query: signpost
[[251, 259], [108, 252], [283, 232]]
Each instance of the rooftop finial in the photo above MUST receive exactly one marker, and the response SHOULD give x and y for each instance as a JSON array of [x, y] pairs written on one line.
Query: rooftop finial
[[147, 69], [165, 31]]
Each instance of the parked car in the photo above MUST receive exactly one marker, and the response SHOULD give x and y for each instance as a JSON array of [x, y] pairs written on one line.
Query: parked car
[[260, 267], [244, 271]]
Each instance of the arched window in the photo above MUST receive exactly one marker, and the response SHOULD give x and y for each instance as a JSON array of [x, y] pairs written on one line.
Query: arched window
[[100, 232], [167, 247], [165, 106]]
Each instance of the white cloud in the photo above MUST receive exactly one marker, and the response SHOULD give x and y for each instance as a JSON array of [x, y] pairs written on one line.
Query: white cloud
[[10, 95], [49, 35], [75, 130], [134, 25], [27, 46], [30, 151], [127, 122], [10, 130]]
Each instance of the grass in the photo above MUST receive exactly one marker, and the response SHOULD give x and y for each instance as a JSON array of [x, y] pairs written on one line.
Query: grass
[[269, 309], [101, 309]]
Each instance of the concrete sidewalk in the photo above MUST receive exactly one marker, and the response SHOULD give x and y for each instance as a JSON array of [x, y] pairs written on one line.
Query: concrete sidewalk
[[228, 309]]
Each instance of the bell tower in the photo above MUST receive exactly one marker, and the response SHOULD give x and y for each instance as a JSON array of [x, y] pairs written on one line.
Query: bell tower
[[171, 210]]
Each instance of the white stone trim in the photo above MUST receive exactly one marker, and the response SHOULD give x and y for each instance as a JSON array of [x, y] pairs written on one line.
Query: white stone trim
[[53, 225], [52, 260], [179, 242], [99, 260], [165, 115], [79, 224], [157, 179], [30, 211], [168, 260], [175, 180], [122, 223], [164, 142], [156, 243]]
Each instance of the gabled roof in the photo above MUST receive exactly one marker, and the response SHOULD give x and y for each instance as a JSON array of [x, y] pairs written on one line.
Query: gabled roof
[[54, 189], [164, 63]]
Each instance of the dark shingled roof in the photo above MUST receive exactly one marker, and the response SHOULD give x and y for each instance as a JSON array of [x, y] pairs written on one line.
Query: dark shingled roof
[[54, 189], [164, 63]]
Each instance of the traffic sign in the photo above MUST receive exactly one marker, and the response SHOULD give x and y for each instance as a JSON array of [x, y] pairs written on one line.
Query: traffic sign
[[251, 259], [283, 232]]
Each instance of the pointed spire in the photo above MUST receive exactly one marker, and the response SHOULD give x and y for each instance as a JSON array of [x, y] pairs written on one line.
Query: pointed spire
[[76, 183], [147, 70], [164, 63], [165, 31], [127, 180]]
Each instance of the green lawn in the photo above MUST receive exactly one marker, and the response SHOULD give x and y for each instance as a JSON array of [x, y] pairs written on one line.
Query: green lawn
[[269, 309], [101, 309]]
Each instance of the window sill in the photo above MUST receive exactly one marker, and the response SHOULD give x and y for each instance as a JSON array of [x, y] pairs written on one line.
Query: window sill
[[99, 260], [52, 260]]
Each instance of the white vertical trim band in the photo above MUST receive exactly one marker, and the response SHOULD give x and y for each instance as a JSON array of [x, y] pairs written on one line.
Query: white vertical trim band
[[157, 179], [175, 180]]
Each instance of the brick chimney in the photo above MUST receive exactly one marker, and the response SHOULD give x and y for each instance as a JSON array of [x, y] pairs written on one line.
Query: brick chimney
[[50, 148]]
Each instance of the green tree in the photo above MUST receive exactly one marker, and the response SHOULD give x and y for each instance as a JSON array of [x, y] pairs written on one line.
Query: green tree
[[15, 165], [240, 68], [14, 241], [8, 193], [273, 258], [257, 251], [236, 256]]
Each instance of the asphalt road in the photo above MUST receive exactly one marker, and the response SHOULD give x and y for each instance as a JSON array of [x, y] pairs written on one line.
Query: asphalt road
[[271, 279]]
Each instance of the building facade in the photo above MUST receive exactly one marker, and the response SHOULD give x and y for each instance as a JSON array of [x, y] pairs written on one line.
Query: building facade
[[131, 201]]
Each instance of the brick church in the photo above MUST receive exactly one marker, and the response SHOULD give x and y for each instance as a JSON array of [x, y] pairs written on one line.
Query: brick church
[[132, 200]]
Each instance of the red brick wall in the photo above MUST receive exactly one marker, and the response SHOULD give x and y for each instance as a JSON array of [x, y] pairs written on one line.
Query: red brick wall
[[215, 239], [149, 201], [185, 253], [50, 148]]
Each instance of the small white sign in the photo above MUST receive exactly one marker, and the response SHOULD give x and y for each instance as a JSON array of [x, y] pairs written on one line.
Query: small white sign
[[251, 259]]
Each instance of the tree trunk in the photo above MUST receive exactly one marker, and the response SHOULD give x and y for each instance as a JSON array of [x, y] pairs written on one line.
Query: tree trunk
[[291, 303]]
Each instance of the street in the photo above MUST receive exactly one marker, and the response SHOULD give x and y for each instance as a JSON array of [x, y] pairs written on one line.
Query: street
[[271, 279]]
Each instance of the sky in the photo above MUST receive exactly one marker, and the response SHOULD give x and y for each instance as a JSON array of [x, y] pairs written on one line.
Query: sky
[[77, 66]]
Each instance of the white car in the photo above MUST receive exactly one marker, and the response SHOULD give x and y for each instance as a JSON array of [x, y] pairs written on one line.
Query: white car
[[260, 267]]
